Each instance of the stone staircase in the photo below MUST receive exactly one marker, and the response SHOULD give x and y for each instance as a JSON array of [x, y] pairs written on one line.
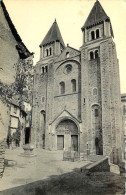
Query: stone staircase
[[91, 157]]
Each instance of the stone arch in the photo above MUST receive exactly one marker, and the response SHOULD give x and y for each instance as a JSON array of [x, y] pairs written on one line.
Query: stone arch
[[68, 61], [67, 134], [96, 120], [42, 128], [67, 118]]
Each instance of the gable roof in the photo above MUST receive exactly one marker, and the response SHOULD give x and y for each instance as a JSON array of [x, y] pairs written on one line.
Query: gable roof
[[96, 15], [53, 35], [69, 114], [72, 51], [22, 50]]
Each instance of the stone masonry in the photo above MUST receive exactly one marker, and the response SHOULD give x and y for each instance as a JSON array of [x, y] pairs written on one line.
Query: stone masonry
[[76, 98]]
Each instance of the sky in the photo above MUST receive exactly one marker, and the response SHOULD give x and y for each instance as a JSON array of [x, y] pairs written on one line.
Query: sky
[[33, 18]]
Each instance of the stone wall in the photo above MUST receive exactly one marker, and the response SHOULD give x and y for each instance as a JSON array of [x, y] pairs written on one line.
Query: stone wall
[[2, 156], [99, 166], [9, 54]]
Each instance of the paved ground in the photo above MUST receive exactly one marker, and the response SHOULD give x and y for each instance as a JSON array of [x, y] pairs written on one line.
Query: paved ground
[[24, 170]]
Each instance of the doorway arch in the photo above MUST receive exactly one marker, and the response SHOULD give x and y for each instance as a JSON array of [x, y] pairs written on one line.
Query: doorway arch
[[67, 135]]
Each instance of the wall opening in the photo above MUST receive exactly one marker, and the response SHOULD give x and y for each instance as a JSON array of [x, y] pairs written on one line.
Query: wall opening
[[97, 33], [62, 87], [91, 55], [73, 82], [96, 54], [92, 35], [42, 128]]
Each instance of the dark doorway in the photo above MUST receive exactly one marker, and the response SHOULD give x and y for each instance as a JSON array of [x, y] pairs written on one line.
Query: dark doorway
[[27, 135], [60, 142], [74, 142]]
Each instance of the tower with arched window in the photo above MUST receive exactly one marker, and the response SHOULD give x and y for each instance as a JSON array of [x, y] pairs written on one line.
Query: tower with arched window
[[76, 99], [100, 85]]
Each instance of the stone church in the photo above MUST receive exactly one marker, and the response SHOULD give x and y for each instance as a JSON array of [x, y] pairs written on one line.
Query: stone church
[[76, 98]]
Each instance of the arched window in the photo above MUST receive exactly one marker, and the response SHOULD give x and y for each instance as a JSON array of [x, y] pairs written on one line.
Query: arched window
[[95, 91], [67, 54], [46, 68], [42, 127], [96, 112], [50, 51], [96, 54], [92, 35], [73, 82], [91, 55], [62, 87], [97, 33], [42, 69], [47, 52]]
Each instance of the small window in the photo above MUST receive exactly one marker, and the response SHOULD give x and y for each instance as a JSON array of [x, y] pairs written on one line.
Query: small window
[[62, 87], [67, 54], [95, 91], [47, 52], [96, 112], [84, 100], [43, 99], [97, 33], [68, 69], [96, 54], [42, 69], [91, 55], [50, 51], [92, 35], [46, 68], [73, 82]]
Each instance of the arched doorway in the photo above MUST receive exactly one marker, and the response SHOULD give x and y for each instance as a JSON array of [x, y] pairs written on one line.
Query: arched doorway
[[97, 129], [67, 135], [42, 127]]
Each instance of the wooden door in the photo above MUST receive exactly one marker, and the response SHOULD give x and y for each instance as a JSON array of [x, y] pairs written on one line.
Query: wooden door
[[60, 142], [74, 142]]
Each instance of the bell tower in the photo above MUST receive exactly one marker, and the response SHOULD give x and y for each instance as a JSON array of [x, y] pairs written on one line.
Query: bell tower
[[50, 48], [100, 86], [53, 44]]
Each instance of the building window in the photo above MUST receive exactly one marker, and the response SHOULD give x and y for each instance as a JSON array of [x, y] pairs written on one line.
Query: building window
[[46, 68], [68, 68], [84, 100], [47, 52], [43, 99], [50, 51], [91, 55], [97, 33], [92, 35], [42, 69], [73, 82], [96, 54], [96, 112], [62, 87], [95, 91], [67, 54]]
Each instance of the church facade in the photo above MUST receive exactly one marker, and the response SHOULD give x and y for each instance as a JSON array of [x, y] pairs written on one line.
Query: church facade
[[76, 97]]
